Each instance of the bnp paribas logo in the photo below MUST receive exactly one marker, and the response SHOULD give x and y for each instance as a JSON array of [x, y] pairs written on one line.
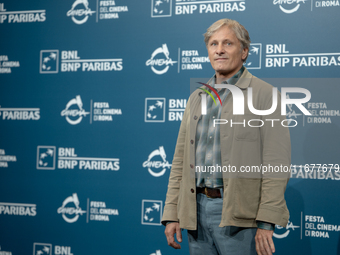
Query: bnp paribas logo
[[160, 8]]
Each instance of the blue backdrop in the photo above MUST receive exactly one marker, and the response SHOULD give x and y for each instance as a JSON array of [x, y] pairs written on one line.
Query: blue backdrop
[[92, 95]]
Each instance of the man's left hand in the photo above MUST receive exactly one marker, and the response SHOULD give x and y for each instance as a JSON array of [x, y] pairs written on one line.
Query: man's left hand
[[264, 242]]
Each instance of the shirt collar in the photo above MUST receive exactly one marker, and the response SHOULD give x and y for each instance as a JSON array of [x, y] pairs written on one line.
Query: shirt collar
[[232, 80]]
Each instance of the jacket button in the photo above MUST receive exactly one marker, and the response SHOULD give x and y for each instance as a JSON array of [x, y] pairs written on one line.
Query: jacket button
[[191, 165], [195, 117], [192, 190], [192, 141]]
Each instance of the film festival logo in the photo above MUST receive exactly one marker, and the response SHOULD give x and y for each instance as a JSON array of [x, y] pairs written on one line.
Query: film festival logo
[[158, 252], [154, 109], [49, 61], [71, 213], [152, 212], [291, 112], [46, 157], [74, 111], [238, 104], [152, 164], [80, 11], [5, 159], [160, 8], [284, 232], [160, 58], [2, 252], [289, 6], [254, 56], [42, 249]]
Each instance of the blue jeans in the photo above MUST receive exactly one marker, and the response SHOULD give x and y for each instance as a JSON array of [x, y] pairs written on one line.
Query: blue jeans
[[210, 239]]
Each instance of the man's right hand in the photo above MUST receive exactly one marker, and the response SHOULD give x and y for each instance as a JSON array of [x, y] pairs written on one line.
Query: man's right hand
[[170, 231]]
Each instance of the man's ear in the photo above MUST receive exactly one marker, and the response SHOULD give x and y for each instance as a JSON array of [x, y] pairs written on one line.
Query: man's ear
[[245, 53]]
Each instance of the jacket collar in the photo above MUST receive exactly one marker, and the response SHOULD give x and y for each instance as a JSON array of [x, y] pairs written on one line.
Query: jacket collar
[[244, 80]]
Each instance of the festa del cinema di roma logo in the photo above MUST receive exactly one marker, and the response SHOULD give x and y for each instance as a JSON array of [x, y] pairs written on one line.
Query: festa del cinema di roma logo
[[289, 2], [71, 214], [238, 102], [78, 14], [162, 63], [290, 226], [75, 113], [154, 164]]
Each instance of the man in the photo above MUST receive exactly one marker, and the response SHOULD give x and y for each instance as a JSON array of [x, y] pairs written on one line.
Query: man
[[233, 212]]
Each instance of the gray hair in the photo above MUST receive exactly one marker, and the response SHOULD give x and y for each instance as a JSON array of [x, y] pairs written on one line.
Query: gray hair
[[239, 30]]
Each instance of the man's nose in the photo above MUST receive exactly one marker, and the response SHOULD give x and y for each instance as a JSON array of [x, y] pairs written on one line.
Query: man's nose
[[220, 49]]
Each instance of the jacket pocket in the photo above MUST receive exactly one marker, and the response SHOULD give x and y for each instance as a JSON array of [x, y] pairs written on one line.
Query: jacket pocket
[[247, 198], [247, 128]]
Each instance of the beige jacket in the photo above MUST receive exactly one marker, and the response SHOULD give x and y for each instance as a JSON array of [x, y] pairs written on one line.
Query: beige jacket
[[247, 197]]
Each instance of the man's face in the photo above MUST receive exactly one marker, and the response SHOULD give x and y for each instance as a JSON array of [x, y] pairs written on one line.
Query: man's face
[[225, 52]]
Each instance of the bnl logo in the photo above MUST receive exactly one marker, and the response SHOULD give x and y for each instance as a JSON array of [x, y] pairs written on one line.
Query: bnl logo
[[254, 56], [154, 110], [160, 8], [49, 60], [46, 157], [152, 212], [46, 249], [42, 249]]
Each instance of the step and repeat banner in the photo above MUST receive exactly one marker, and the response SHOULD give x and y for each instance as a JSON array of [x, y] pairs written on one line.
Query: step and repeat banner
[[92, 94]]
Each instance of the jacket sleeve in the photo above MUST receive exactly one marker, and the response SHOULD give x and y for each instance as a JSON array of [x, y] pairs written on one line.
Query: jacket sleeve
[[170, 208], [276, 158]]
